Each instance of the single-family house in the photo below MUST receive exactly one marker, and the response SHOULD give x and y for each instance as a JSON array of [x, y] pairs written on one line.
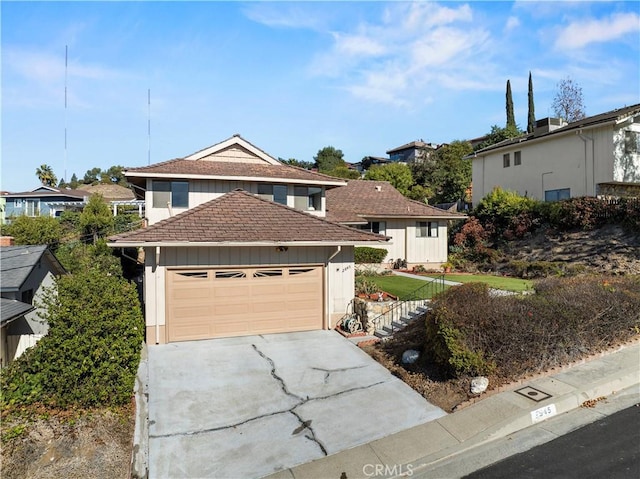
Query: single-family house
[[43, 201], [412, 152], [25, 272], [238, 244], [117, 196], [418, 231], [596, 156]]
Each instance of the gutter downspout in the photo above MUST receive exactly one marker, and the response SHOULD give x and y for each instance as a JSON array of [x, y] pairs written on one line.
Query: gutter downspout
[[586, 184], [326, 281], [155, 279]]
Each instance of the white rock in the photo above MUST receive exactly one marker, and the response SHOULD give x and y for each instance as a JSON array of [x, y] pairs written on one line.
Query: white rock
[[410, 356], [479, 385]]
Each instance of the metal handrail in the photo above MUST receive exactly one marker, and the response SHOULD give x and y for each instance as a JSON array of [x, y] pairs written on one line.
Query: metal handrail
[[401, 309]]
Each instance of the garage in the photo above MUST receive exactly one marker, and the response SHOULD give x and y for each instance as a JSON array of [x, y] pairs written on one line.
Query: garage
[[223, 302]]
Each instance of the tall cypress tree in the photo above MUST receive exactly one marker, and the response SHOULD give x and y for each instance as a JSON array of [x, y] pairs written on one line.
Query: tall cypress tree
[[511, 120], [531, 118]]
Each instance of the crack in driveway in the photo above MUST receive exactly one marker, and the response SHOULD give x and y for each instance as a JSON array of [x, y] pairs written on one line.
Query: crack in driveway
[[304, 424]]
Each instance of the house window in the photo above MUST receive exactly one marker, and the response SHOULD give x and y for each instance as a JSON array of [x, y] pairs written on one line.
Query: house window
[[307, 198], [32, 207], [275, 193], [631, 142], [557, 195], [517, 158], [506, 161], [379, 227], [174, 193], [427, 229]]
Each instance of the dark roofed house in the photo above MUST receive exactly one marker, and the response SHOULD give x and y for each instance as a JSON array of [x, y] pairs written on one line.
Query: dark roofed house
[[412, 152], [238, 244], [25, 271], [418, 231]]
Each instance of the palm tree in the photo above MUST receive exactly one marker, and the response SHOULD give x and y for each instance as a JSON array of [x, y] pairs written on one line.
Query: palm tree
[[46, 176]]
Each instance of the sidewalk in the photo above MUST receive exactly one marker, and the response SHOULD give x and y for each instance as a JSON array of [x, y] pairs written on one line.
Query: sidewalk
[[489, 419], [425, 278]]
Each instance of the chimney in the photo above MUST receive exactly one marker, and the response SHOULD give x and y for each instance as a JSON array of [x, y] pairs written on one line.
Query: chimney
[[7, 241]]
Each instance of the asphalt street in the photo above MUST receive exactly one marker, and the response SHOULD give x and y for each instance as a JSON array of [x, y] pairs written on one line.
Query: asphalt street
[[609, 448]]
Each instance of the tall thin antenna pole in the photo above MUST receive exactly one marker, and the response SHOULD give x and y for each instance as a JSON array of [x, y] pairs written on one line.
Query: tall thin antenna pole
[[65, 111], [149, 126]]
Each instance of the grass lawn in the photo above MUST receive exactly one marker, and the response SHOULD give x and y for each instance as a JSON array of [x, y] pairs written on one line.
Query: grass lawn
[[497, 282], [402, 286]]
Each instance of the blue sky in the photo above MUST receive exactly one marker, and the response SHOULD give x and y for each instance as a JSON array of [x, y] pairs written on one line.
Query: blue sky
[[291, 77]]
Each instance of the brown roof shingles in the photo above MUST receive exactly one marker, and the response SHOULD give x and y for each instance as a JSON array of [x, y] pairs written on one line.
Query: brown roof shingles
[[180, 167], [240, 217], [362, 199]]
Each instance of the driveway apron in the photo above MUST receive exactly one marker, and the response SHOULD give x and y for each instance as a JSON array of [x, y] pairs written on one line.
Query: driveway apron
[[248, 407]]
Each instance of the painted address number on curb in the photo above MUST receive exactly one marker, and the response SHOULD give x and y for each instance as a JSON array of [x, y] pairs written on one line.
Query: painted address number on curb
[[543, 413]]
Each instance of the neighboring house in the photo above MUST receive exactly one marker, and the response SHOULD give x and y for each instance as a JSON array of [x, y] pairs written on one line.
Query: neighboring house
[[411, 152], [418, 231], [595, 156], [10, 310], [117, 196], [3, 206], [238, 245], [25, 271], [43, 201]]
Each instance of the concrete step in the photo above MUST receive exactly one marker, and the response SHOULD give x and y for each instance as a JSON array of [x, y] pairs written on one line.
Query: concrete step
[[380, 333], [398, 325]]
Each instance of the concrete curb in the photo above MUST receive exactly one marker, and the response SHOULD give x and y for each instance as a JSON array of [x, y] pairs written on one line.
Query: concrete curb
[[140, 453]]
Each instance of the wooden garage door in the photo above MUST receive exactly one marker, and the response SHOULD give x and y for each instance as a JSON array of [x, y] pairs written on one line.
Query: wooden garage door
[[216, 303]]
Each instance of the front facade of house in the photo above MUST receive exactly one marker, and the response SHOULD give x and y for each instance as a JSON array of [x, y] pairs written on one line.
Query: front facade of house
[[43, 201], [595, 156], [25, 273], [418, 231], [411, 152], [237, 244]]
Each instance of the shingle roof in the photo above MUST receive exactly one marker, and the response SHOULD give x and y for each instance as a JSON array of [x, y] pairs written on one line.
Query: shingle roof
[[412, 145], [240, 217], [17, 262], [362, 199], [11, 309], [110, 192], [50, 191]]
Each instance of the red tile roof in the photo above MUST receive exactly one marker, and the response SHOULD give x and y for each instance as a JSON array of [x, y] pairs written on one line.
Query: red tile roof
[[240, 217], [362, 199]]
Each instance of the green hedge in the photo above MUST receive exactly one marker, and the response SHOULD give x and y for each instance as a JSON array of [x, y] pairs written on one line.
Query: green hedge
[[365, 255]]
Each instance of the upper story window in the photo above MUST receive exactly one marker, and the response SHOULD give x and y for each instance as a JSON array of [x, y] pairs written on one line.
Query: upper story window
[[275, 193], [427, 229], [506, 160], [307, 198], [379, 227], [517, 158], [170, 193]]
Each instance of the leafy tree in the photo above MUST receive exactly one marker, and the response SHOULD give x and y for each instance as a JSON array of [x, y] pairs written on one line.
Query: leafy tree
[[531, 115], [95, 217], [420, 193], [445, 174], [398, 174], [307, 165], [73, 184], [28, 230], [497, 134], [568, 103], [344, 172], [92, 176], [46, 176], [328, 158], [511, 119]]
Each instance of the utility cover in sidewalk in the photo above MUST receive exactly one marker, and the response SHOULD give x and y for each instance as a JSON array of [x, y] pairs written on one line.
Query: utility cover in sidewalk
[[533, 393]]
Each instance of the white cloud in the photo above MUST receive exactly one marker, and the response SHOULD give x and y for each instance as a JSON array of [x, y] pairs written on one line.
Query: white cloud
[[282, 15], [356, 45], [581, 33], [512, 23]]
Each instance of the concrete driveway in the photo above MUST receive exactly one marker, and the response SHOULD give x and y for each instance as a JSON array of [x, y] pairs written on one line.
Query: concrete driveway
[[248, 407]]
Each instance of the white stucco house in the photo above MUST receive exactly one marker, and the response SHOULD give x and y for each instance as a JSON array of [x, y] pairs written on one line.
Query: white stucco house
[[418, 231], [237, 243], [595, 156]]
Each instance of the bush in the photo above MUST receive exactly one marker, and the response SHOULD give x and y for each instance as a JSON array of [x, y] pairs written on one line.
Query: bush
[[91, 353], [366, 254], [502, 210], [36, 230], [583, 213], [469, 331]]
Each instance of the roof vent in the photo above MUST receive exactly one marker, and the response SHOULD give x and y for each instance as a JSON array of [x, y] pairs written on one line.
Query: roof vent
[[547, 125], [378, 188]]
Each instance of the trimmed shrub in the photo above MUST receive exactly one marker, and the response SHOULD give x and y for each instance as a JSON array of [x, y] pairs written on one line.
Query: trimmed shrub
[[366, 254], [91, 353]]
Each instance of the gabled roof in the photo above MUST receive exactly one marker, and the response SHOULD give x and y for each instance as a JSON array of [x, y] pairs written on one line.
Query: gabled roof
[[612, 117], [17, 262], [49, 191], [11, 309], [361, 200], [411, 146], [239, 218], [234, 159], [110, 192]]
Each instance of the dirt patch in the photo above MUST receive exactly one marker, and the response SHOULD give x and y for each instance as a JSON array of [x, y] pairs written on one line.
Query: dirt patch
[[95, 444]]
